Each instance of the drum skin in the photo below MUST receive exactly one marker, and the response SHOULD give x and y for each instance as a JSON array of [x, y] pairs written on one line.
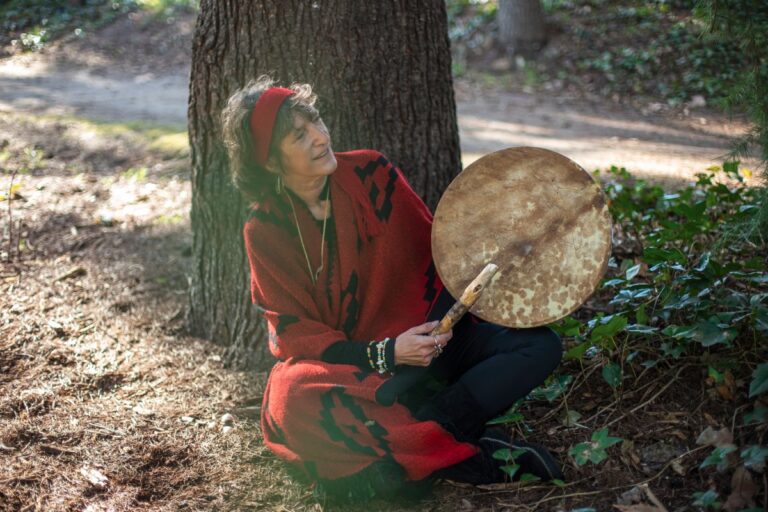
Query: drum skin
[[538, 216]]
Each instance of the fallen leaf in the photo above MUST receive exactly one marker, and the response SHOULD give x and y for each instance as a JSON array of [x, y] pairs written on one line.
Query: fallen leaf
[[726, 389], [712, 437], [743, 489], [678, 468], [73, 272]]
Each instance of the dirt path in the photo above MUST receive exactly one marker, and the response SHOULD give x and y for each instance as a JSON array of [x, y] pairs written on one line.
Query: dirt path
[[595, 135]]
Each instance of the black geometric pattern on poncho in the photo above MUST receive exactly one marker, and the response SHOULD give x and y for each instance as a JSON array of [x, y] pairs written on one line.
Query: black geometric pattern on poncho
[[283, 321], [385, 209], [353, 306], [383, 212], [273, 425], [337, 397]]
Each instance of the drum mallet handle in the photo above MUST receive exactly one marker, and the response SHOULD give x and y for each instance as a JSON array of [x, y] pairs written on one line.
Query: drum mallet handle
[[410, 375]]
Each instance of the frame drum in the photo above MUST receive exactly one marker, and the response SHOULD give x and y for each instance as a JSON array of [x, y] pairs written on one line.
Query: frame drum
[[537, 215]]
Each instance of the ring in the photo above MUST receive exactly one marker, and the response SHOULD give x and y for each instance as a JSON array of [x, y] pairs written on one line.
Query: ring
[[438, 347]]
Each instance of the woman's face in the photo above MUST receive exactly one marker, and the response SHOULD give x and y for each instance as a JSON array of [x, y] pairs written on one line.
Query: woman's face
[[306, 150]]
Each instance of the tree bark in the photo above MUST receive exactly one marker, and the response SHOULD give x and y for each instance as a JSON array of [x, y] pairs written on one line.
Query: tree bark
[[522, 28], [382, 71]]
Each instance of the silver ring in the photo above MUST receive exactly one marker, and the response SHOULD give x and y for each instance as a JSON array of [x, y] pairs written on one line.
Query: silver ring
[[438, 347]]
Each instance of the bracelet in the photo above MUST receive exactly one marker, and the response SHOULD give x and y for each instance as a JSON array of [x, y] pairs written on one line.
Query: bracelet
[[381, 363], [369, 353]]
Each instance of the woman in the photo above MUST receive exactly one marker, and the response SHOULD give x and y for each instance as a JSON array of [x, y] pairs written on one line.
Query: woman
[[339, 251]]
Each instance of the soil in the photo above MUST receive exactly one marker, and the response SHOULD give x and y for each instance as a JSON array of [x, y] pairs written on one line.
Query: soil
[[105, 402]]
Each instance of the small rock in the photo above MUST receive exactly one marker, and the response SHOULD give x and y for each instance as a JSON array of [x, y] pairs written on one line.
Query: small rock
[[226, 429], [142, 411], [227, 419], [697, 101], [656, 455], [56, 327], [94, 477], [187, 419], [632, 496]]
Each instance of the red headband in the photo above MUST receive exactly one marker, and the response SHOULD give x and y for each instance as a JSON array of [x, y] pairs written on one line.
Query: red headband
[[263, 120]]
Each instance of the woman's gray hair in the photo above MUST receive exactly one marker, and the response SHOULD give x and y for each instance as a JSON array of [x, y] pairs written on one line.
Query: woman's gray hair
[[252, 180]]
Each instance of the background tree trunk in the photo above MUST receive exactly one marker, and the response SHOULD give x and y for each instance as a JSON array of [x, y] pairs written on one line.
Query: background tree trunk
[[522, 28], [383, 74]]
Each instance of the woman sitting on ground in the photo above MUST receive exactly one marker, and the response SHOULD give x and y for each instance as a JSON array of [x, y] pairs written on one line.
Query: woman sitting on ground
[[340, 260]]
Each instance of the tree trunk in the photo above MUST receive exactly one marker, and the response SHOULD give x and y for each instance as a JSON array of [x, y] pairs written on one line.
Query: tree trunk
[[382, 71], [522, 30]]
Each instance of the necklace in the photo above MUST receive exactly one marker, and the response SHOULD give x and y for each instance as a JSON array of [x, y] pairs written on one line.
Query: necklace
[[316, 274]]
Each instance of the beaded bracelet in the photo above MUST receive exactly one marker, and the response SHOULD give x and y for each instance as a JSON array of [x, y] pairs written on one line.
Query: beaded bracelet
[[381, 363], [369, 352]]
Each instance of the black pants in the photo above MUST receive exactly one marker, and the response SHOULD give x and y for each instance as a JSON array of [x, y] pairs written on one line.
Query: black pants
[[487, 368]]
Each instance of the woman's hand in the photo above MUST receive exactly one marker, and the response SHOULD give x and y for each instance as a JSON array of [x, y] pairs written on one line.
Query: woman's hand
[[416, 348]]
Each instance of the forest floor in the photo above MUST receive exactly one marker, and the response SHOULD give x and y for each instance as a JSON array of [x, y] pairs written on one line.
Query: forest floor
[[105, 402]]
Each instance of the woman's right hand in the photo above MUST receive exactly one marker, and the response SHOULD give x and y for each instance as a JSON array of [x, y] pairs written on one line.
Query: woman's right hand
[[416, 347]]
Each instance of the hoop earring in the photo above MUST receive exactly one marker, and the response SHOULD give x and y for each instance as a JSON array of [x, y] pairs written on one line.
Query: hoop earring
[[279, 186]]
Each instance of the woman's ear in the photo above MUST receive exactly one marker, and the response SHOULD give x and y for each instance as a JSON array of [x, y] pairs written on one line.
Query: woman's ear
[[272, 166]]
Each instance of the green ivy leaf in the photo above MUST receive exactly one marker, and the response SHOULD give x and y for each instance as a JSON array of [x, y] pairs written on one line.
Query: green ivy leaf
[[577, 351], [709, 332], [641, 329], [706, 499], [678, 331], [581, 453], [612, 374], [568, 326], [512, 417], [528, 477], [632, 272], [719, 457], [504, 454], [754, 458], [603, 440], [759, 415], [759, 382], [609, 329], [594, 451], [641, 317], [554, 389], [510, 469]]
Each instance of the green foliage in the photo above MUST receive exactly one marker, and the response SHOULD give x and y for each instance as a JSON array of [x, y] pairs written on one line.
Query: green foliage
[[594, 451], [676, 292], [754, 458], [680, 290], [745, 23], [719, 457], [32, 24], [759, 382], [706, 499]]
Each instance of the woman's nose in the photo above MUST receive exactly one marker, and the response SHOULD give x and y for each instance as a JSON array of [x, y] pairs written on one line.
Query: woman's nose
[[319, 135]]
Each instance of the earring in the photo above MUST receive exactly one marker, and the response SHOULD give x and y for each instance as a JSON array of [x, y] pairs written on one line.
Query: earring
[[279, 187]]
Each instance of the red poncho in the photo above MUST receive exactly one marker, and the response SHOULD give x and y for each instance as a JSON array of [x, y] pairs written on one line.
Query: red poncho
[[378, 281]]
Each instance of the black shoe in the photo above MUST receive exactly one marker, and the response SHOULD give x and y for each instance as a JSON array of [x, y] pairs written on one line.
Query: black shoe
[[532, 458]]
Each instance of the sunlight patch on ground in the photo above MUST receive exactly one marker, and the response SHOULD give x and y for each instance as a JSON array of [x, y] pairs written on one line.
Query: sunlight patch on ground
[[675, 157]]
